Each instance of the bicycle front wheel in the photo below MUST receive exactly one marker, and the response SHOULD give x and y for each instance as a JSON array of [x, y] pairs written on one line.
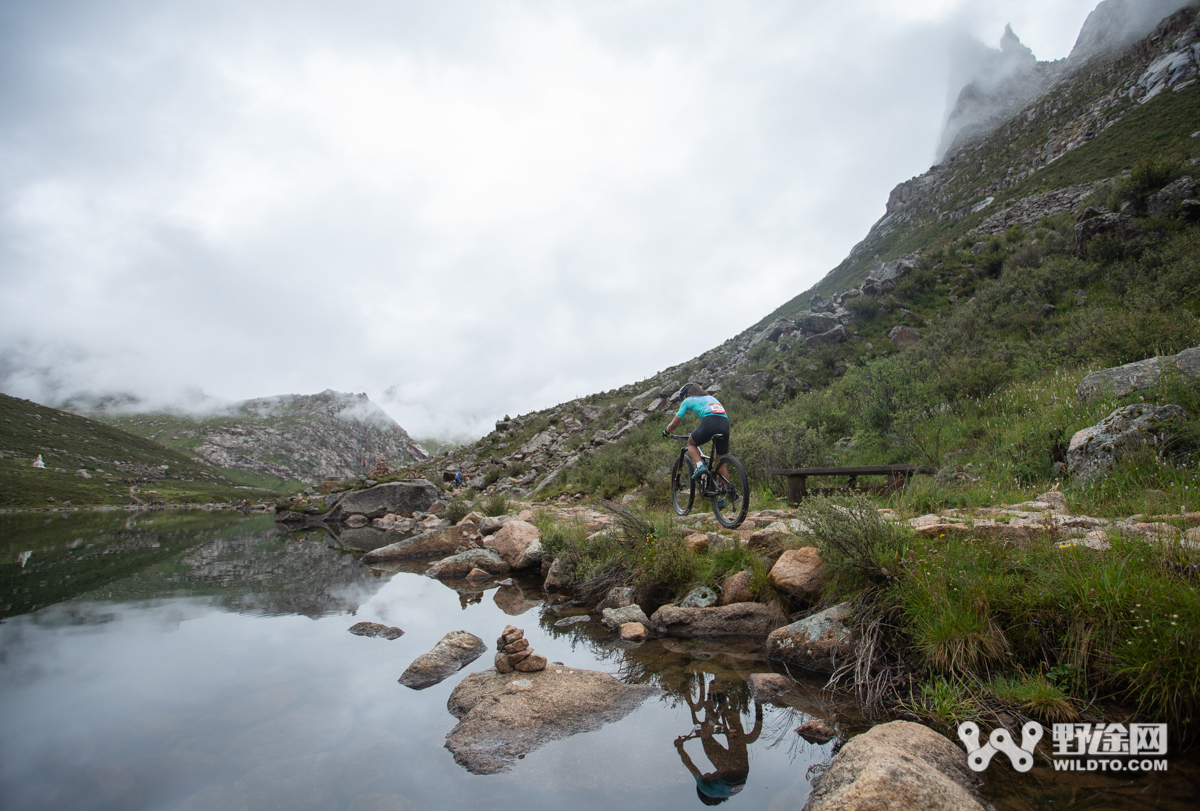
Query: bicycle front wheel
[[683, 486], [731, 501]]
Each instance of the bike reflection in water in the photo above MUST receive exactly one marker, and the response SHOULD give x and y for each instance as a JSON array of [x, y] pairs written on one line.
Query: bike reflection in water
[[732, 761]]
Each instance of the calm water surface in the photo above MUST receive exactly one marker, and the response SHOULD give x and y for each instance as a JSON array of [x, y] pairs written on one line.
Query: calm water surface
[[202, 661]]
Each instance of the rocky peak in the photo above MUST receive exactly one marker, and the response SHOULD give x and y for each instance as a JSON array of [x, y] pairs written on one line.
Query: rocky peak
[[997, 84], [1114, 25]]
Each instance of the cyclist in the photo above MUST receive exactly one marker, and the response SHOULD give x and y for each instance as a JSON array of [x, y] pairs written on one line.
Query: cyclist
[[713, 420]]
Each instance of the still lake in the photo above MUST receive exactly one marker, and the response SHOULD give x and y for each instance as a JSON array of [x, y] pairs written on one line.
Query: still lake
[[196, 660]]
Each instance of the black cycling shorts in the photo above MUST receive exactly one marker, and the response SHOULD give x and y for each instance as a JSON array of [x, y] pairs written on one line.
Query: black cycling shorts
[[713, 424]]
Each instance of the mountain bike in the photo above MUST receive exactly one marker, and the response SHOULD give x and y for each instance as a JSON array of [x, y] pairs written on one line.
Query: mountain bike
[[724, 483]]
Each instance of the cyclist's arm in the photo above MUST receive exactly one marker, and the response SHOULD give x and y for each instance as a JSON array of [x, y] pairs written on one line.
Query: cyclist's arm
[[674, 424]]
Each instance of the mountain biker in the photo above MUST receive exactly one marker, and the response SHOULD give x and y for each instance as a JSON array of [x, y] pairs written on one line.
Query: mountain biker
[[713, 420]]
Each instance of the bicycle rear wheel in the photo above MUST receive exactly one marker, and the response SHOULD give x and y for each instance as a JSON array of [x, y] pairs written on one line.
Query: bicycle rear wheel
[[683, 486], [733, 488]]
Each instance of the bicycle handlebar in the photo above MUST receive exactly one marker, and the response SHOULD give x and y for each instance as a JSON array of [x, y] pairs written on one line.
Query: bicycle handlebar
[[676, 436]]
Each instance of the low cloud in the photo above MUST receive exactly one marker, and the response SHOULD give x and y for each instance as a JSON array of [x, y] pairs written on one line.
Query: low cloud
[[463, 209]]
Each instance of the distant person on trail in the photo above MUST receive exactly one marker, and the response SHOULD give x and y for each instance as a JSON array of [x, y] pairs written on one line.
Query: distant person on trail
[[458, 479], [713, 420]]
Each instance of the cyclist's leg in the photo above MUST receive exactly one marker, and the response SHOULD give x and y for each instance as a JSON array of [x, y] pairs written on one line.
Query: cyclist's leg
[[693, 450], [721, 447]]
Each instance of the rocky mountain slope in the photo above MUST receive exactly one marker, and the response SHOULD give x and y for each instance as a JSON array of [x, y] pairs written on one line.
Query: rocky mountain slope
[[1072, 145], [85, 462], [284, 440]]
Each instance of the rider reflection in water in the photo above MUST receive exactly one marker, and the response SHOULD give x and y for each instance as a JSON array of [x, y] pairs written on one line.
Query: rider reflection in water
[[732, 761]]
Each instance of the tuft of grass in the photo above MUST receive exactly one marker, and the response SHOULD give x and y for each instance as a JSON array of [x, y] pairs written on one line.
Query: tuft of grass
[[495, 505]]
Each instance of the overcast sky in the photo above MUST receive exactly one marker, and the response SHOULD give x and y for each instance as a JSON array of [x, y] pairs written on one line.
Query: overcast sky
[[491, 207]]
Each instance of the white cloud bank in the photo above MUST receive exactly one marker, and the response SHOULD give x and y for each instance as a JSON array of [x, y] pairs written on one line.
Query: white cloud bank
[[490, 207]]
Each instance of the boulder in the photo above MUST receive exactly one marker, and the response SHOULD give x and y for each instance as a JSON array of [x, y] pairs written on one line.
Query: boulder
[[697, 542], [738, 619], [455, 651], [506, 716], [491, 524], [799, 573], [556, 576], [435, 542], [616, 617], [1117, 225], [736, 589], [833, 336], [902, 336], [1094, 450], [519, 543], [460, 565], [1165, 202], [897, 765], [375, 629], [752, 386], [699, 597], [814, 323], [401, 498], [1118, 381], [633, 631], [819, 643]]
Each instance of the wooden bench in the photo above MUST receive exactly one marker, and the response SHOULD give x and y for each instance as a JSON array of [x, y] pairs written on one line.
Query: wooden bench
[[897, 476]]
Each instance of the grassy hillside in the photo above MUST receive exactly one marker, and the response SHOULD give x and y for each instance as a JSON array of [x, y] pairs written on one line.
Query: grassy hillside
[[116, 462]]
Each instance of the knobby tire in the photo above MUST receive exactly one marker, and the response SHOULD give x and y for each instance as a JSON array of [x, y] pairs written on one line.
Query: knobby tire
[[736, 490], [681, 483]]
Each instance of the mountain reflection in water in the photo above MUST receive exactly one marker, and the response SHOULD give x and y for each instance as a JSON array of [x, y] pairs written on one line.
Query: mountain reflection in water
[[192, 661]]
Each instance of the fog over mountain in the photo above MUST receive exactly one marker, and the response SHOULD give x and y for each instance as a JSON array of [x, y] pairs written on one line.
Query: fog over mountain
[[462, 209]]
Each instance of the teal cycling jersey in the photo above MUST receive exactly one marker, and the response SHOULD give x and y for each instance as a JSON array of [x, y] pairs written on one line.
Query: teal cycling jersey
[[705, 406]]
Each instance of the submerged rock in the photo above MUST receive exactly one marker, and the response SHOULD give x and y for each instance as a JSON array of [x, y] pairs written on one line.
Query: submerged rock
[[738, 619], [502, 717], [455, 651], [817, 730], [766, 686], [896, 765], [440, 541], [375, 629], [460, 565], [818, 643]]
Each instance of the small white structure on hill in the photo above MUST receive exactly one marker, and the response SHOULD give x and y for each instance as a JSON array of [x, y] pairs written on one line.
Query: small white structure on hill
[[38, 463]]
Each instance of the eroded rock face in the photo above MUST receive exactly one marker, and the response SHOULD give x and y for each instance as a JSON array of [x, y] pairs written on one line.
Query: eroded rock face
[[896, 765], [519, 543], [738, 619], [799, 573], [1093, 451], [502, 716], [452, 653], [400, 498], [818, 643], [460, 565], [699, 597]]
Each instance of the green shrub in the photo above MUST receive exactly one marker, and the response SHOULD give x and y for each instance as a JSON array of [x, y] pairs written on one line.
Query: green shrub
[[496, 505], [457, 509], [858, 546]]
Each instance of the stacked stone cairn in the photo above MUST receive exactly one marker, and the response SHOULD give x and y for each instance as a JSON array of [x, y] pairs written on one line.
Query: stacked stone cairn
[[513, 653], [380, 470]]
